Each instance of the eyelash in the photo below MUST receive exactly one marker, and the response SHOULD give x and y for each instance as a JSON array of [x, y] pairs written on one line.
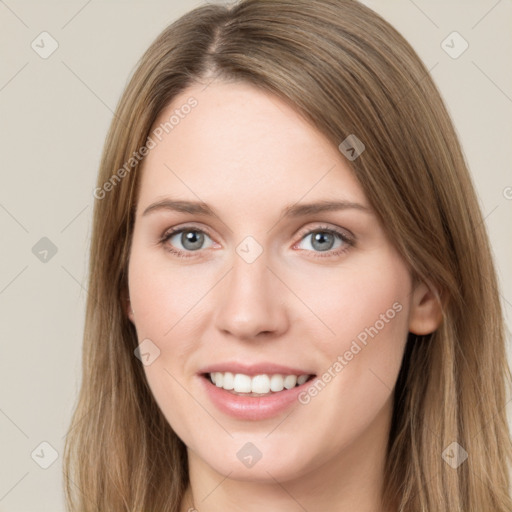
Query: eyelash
[[346, 239]]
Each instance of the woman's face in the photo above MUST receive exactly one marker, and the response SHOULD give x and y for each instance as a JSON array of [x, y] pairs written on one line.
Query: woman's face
[[264, 290]]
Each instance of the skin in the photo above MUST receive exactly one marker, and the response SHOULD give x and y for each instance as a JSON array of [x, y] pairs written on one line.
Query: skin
[[248, 154]]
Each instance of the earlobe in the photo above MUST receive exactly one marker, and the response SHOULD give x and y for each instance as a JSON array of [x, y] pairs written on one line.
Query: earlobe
[[426, 312]]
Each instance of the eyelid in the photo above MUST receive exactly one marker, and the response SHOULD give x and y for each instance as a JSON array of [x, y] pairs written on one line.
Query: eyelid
[[186, 227], [343, 232]]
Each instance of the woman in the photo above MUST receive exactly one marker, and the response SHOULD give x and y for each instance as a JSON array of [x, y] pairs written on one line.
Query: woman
[[233, 363]]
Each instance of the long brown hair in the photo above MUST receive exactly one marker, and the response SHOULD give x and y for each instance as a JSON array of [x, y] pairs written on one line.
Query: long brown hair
[[347, 71]]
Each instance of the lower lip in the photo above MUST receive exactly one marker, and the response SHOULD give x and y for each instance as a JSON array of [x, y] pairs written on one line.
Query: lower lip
[[252, 407]]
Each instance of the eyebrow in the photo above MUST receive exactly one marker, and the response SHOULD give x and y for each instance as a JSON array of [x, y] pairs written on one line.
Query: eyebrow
[[293, 210]]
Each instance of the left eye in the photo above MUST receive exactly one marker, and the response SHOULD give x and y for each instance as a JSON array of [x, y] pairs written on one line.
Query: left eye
[[190, 239], [323, 240]]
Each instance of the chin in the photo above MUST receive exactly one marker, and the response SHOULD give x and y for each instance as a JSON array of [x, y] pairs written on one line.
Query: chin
[[265, 465]]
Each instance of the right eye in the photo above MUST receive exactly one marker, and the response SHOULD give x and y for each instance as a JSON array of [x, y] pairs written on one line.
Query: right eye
[[190, 238]]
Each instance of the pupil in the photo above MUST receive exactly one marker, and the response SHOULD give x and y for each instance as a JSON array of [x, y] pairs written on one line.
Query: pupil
[[192, 240], [321, 237]]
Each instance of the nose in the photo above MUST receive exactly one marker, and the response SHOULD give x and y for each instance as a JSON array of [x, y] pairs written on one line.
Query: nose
[[251, 301]]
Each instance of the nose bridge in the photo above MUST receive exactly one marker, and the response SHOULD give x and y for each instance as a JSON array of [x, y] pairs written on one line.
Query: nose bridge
[[248, 302]]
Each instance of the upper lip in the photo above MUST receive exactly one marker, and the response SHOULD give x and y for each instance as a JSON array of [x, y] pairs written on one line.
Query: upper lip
[[254, 369]]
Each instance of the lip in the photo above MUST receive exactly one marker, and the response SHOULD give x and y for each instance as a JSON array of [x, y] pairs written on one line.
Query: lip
[[252, 408], [254, 369]]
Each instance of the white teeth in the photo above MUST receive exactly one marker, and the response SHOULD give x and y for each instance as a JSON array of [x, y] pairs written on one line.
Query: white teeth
[[290, 381], [276, 383], [260, 384], [242, 383], [219, 379], [229, 380], [301, 379]]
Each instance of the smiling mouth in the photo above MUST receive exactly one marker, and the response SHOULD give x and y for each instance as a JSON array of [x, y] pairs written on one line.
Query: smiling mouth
[[257, 385]]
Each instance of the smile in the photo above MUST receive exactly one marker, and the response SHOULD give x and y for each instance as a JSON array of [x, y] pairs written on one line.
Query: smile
[[256, 385]]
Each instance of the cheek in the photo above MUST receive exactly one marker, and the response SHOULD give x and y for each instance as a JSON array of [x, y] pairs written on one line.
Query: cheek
[[360, 301], [162, 294], [366, 310], [162, 297]]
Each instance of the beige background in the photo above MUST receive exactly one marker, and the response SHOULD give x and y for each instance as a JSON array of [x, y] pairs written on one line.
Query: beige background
[[54, 116]]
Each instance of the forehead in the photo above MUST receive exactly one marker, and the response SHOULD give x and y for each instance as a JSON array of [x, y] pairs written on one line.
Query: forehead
[[242, 143]]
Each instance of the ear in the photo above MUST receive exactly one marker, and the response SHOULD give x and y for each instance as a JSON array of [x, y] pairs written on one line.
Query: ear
[[129, 310], [426, 313]]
